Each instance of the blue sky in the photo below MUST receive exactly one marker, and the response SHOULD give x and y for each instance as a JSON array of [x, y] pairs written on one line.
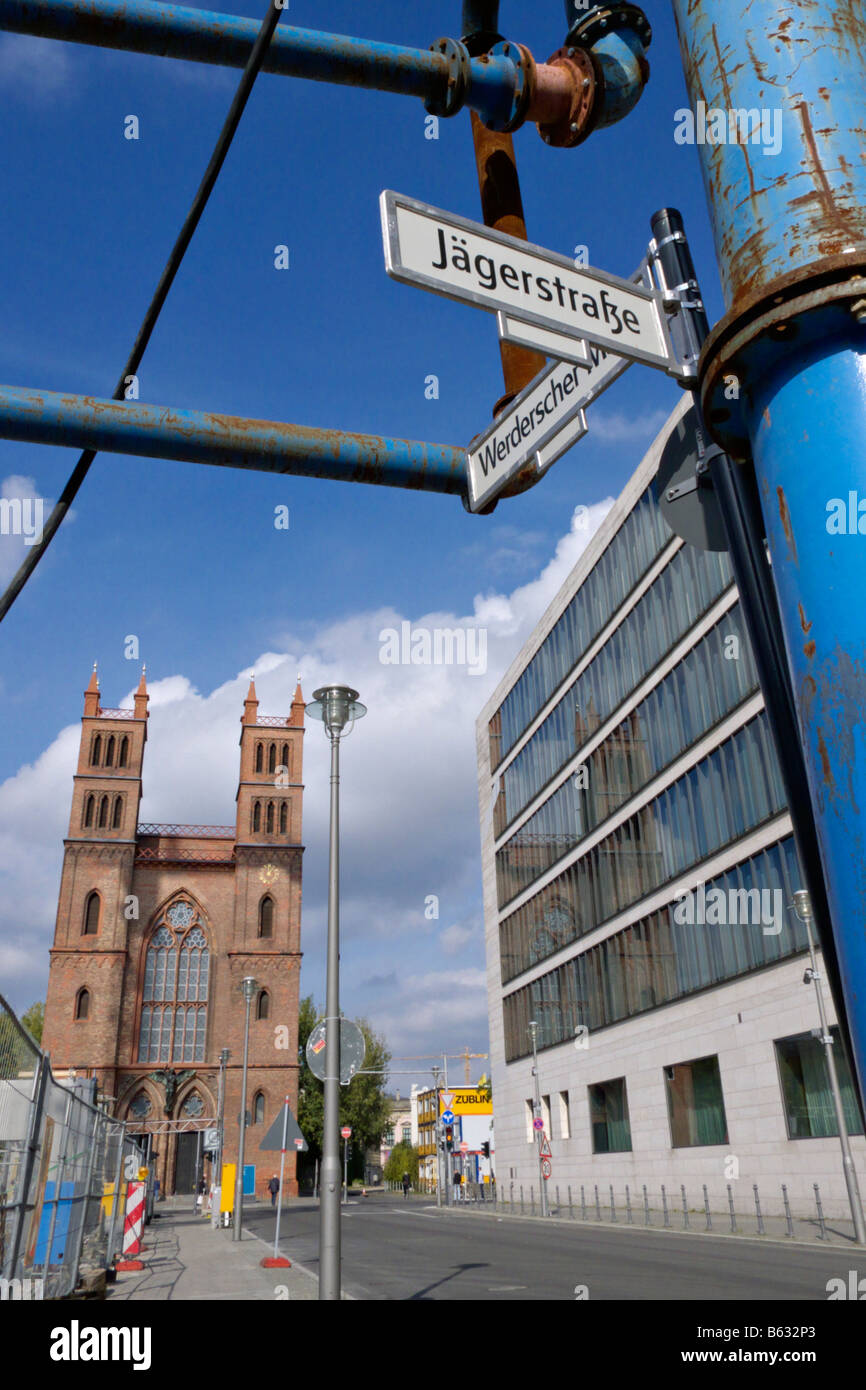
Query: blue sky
[[187, 558]]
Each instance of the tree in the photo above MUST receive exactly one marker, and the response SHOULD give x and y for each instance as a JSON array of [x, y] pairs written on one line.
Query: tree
[[34, 1021], [363, 1103], [403, 1158]]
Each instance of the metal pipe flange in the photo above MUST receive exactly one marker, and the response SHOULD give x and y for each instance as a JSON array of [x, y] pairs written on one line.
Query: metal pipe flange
[[459, 63]]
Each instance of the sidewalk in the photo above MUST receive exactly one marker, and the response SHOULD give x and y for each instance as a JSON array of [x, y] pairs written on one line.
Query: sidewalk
[[185, 1258]]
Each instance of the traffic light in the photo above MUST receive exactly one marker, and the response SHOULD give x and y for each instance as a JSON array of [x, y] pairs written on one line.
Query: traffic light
[[485, 1148], [449, 1134]]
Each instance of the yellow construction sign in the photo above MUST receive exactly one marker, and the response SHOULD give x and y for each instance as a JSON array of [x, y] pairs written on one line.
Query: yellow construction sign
[[467, 1101]]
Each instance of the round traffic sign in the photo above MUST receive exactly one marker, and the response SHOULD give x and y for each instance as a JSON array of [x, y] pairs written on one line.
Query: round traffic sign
[[538, 1124], [352, 1050], [546, 1168], [464, 1147], [447, 1117], [346, 1131]]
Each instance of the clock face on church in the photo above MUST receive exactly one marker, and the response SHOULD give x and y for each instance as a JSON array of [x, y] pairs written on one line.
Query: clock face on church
[[269, 874]]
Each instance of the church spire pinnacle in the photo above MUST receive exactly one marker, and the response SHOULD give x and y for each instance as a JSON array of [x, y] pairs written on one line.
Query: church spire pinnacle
[[141, 696], [91, 694], [251, 704]]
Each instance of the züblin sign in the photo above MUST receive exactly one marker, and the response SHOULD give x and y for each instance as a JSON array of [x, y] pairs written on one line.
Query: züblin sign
[[466, 1102]]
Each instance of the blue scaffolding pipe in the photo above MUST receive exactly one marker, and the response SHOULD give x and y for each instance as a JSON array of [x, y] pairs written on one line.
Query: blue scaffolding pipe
[[200, 436], [205, 36]]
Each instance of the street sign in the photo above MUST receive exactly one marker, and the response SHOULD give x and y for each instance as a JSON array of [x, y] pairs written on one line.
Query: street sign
[[352, 1050], [346, 1131], [211, 1141], [547, 411], [686, 497], [447, 1117], [546, 1168], [469, 262], [283, 1124], [545, 1147], [447, 1098], [538, 1124], [464, 1147]]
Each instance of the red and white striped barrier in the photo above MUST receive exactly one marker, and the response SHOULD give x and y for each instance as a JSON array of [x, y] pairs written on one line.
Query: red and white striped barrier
[[133, 1223]]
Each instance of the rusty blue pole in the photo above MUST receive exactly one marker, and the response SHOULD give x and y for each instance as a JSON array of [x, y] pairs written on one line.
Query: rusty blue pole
[[776, 111], [199, 436]]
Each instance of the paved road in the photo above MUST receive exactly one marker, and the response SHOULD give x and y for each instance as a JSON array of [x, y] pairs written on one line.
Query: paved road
[[396, 1249]]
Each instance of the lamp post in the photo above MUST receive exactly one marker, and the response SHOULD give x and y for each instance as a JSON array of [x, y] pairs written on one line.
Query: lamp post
[[436, 1132], [803, 909], [221, 1125], [533, 1033], [336, 706], [249, 988]]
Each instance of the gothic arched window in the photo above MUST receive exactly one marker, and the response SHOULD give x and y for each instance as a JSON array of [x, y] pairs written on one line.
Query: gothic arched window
[[284, 756], [272, 758], [284, 817], [259, 1108], [82, 1004], [91, 916], [174, 997], [96, 752], [109, 752], [263, 1005], [257, 816], [123, 755], [269, 828], [103, 813], [260, 754], [266, 917], [118, 812], [88, 811]]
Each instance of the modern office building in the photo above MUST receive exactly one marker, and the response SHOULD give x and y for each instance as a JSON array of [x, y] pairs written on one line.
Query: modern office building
[[638, 868]]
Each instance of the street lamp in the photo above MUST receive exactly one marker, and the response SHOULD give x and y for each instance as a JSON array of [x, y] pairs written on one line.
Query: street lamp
[[803, 908], [533, 1033], [336, 706], [221, 1124], [249, 987]]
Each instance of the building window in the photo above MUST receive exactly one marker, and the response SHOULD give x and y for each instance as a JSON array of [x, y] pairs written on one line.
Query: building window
[[193, 1106], [260, 753], [266, 916], [123, 756], [406, 1131], [272, 758], [141, 1106], [91, 915], [564, 1116], [263, 1005], [608, 1117], [809, 1110], [174, 997], [269, 826], [103, 813], [88, 811], [284, 756], [284, 817], [118, 813], [109, 752], [259, 1108], [257, 816], [529, 1113], [696, 1105], [82, 1004], [545, 1114], [389, 1138], [96, 751]]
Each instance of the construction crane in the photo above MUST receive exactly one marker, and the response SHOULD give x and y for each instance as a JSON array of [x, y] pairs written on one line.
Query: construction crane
[[466, 1056]]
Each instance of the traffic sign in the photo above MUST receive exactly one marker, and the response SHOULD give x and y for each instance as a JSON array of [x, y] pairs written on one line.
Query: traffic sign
[[546, 1168], [464, 1147], [545, 1147], [346, 1131], [352, 1050], [538, 1124], [686, 497], [283, 1131], [546, 412], [447, 1097], [447, 1117], [472, 263]]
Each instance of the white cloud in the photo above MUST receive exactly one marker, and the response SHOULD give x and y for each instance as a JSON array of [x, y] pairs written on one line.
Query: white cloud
[[409, 810], [36, 69], [21, 521], [615, 427]]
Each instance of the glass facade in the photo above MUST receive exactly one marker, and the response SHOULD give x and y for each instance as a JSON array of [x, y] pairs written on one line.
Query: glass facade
[[700, 691], [809, 1109], [657, 960], [683, 592], [731, 791], [696, 1106], [608, 1117], [637, 543]]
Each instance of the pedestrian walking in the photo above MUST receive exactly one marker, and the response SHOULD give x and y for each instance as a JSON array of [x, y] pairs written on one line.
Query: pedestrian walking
[[457, 1181], [273, 1188], [407, 1183]]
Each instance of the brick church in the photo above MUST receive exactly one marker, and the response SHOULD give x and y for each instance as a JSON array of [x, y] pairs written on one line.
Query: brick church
[[157, 925]]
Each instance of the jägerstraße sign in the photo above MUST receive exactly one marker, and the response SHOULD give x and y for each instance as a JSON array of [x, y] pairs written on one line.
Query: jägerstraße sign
[[469, 262]]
